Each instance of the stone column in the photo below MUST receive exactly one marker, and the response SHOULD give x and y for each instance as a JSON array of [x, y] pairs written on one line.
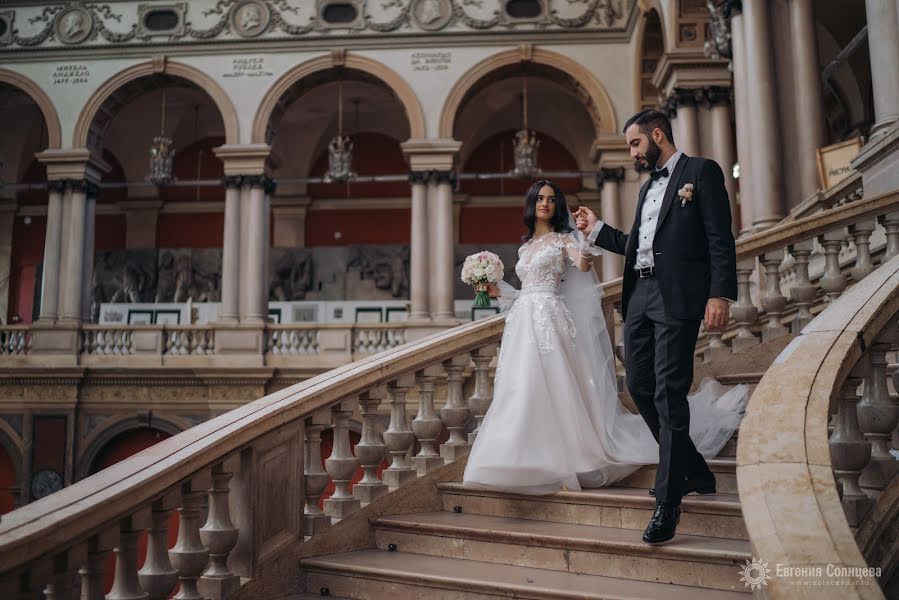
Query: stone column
[[244, 263], [609, 180], [442, 246], [7, 221], [723, 144], [810, 128], [419, 284], [741, 116], [684, 104], [231, 251], [883, 44], [87, 272], [256, 282], [73, 252], [51, 272], [767, 170], [269, 189]]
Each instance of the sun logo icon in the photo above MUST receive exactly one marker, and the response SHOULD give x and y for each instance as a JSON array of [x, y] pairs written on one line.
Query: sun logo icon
[[755, 574]]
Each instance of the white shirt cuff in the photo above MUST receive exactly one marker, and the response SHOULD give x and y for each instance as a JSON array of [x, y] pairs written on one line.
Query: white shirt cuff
[[595, 233]]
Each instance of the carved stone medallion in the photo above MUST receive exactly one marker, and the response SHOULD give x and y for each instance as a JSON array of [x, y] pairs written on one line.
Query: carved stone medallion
[[249, 18], [432, 15], [45, 483], [74, 25], [6, 26]]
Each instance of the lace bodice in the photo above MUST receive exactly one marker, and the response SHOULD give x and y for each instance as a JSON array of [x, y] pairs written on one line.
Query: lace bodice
[[541, 261]]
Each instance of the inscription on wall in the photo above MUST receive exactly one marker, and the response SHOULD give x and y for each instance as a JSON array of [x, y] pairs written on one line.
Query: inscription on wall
[[248, 66], [431, 61], [71, 74]]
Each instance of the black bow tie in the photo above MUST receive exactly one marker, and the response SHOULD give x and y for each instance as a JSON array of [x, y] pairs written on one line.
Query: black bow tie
[[663, 172]]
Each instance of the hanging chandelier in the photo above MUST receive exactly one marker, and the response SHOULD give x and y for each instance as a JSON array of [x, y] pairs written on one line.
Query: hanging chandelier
[[526, 143], [161, 153], [340, 148]]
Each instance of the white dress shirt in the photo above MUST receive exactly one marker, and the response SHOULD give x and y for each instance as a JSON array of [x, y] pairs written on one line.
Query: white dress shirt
[[649, 216]]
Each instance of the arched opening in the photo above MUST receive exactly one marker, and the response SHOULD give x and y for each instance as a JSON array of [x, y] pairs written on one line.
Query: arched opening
[[651, 50], [25, 133]]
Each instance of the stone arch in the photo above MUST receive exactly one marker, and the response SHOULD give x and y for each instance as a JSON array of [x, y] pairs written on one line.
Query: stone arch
[[599, 104], [29, 87], [83, 126], [640, 44], [101, 439], [387, 76]]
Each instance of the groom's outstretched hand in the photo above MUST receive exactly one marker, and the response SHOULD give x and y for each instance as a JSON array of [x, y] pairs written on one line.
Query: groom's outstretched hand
[[717, 313], [585, 220]]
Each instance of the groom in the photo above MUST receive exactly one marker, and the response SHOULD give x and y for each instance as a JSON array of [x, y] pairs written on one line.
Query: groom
[[679, 268]]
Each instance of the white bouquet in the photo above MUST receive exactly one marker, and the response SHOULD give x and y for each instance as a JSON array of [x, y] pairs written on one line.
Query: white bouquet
[[480, 269]]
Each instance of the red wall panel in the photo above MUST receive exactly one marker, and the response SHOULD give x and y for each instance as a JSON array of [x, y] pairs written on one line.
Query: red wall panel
[[492, 225], [27, 255], [7, 482], [190, 230], [388, 226]]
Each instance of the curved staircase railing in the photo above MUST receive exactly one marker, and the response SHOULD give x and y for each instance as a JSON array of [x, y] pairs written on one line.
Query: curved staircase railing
[[804, 491]]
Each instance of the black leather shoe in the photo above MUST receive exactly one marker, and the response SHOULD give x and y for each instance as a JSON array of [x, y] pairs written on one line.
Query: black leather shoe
[[662, 524], [701, 486]]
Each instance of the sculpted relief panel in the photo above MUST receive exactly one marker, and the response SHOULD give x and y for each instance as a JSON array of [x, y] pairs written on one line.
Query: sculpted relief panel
[[80, 22]]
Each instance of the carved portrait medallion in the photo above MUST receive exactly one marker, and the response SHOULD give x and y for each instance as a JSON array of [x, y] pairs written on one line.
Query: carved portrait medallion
[[249, 18], [74, 25], [432, 15], [6, 26]]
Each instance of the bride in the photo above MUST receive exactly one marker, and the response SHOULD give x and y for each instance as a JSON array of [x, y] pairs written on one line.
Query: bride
[[555, 421]]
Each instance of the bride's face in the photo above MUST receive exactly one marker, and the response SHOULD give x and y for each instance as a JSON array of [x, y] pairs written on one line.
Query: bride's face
[[546, 204]]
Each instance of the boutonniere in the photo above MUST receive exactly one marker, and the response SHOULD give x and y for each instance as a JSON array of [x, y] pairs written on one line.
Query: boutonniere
[[686, 194]]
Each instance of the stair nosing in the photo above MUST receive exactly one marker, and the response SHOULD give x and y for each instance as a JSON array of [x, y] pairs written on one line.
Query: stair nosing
[[610, 496], [320, 564], [669, 551]]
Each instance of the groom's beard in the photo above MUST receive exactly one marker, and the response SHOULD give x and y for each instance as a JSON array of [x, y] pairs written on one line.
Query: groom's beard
[[652, 155]]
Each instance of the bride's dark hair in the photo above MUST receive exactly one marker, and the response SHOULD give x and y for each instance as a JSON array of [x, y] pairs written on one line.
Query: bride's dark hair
[[559, 221]]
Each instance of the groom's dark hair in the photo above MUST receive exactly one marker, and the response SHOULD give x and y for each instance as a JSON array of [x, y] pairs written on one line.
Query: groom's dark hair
[[650, 119], [559, 221]]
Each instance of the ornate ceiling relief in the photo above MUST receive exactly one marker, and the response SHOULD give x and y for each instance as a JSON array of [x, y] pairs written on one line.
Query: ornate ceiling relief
[[90, 23]]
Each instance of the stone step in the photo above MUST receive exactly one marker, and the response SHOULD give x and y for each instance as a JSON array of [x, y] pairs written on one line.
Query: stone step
[[725, 470], [406, 576], [716, 515], [704, 562]]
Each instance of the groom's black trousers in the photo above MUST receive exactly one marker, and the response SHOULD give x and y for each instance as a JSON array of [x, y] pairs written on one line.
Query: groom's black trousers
[[659, 354]]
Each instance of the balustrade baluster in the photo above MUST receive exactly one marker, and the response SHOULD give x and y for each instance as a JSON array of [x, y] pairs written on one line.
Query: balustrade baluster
[[399, 437], [832, 281], [91, 572], [157, 577], [743, 310], [861, 233], [427, 425], [878, 415], [219, 535], [126, 586], [773, 301], [802, 293], [341, 465], [316, 478], [850, 452], [455, 412], [370, 450], [716, 349], [189, 556], [481, 398], [59, 587], [890, 223]]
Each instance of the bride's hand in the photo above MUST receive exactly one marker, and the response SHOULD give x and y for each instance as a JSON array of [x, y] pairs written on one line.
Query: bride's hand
[[493, 290]]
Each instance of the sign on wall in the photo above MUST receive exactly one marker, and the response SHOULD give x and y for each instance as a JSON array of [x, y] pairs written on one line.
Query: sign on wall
[[834, 162]]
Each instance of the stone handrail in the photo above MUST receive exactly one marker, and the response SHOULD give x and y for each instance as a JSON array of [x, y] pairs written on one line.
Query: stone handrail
[[787, 469], [243, 461]]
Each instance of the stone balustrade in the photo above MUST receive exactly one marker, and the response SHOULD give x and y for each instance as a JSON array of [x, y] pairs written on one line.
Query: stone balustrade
[[239, 465], [811, 496], [15, 340]]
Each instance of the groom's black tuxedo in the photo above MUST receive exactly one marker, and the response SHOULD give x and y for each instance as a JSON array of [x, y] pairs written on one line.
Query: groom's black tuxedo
[[694, 250], [695, 259]]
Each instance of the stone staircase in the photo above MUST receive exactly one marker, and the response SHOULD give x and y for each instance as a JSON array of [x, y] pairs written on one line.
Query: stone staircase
[[586, 544]]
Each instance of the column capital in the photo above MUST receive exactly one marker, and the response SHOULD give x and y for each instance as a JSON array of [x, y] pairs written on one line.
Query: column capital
[[232, 181], [245, 159], [718, 95], [419, 176], [610, 174], [443, 177], [430, 154], [263, 181], [57, 185], [732, 7]]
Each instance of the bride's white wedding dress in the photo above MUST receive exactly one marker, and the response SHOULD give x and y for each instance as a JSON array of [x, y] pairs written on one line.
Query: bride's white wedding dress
[[555, 419]]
